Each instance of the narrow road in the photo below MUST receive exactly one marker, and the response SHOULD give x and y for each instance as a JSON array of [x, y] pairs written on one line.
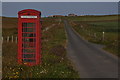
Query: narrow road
[[90, 60]]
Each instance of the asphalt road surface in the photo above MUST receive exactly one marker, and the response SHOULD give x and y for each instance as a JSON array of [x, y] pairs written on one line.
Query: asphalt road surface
[[89, 59]]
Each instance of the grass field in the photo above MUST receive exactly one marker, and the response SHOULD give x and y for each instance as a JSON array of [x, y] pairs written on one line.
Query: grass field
[[92, 28], [54, 61], [93, 18]]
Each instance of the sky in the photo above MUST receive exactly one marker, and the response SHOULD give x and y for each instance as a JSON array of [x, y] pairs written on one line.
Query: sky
[[10, 9], [60, 0]]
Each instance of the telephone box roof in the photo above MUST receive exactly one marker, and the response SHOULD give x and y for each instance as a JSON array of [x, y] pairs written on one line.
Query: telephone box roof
[[29, 10]]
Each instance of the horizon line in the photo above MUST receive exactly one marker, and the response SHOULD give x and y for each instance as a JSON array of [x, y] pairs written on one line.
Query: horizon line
[[69, 16]]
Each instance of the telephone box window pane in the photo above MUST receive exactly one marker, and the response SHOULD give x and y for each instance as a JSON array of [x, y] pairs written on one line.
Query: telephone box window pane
[[28, 24], [28, 45], [28, 29], [28, 35], [28, 50], [29, 40], [24, 24], [28, 55], [28, 60]]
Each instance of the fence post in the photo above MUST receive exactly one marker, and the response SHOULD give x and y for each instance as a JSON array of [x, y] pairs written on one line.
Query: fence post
[[59, 22], [103, 36], [12, 38], [7, 38], [81, 26], [16, 39], [2, 39]]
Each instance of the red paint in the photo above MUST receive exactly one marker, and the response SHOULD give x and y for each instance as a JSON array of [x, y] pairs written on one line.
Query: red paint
[[29, 35]]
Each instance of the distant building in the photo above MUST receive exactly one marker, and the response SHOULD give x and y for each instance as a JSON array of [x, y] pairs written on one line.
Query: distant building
[[58, 16], [72, 15], [50, 16]]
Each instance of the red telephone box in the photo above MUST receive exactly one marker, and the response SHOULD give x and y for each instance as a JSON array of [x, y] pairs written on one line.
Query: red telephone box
[[29, 37]]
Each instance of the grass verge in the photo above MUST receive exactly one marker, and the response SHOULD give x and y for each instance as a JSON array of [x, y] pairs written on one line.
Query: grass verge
[[54, 62]]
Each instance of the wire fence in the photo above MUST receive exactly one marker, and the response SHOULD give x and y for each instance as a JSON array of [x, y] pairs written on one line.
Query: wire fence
[[13, 39]]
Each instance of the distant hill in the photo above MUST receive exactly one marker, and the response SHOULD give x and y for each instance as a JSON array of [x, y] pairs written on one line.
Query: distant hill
[[12, 22]]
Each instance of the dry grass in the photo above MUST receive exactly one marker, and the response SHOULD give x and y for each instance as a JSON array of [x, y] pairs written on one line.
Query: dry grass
[[54, 61]]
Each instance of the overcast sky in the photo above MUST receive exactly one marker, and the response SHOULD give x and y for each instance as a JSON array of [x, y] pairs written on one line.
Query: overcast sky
[[60, 0], [11, 9]]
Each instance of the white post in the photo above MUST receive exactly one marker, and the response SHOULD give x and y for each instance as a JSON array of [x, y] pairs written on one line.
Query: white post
[[16, 39], [59, 22], [7, 38], [12, 38], [2, 39], [103, 35], [81, 26]]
